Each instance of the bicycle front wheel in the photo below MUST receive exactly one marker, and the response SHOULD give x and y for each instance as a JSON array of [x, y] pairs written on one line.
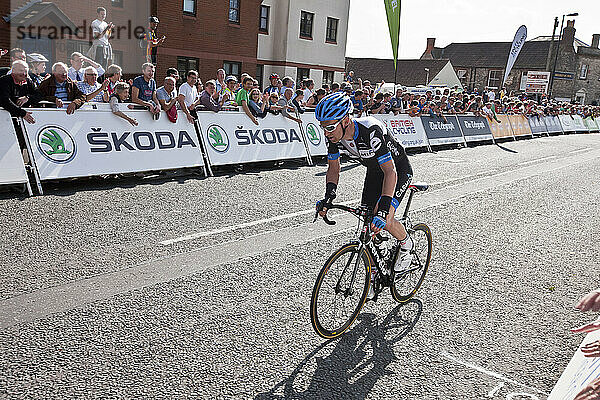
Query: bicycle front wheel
[[406, 283], [340, 291]]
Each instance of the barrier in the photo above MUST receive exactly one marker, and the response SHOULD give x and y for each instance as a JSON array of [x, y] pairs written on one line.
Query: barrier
[[579, 373], [315, 135], [537, 125], [439, 132], [591, 124], [408, 131], [12, 168], [579, 125], [568, 123], [475, 128], [232, 138], [96, 142], [552, 123], [501, 129], [519, 125]]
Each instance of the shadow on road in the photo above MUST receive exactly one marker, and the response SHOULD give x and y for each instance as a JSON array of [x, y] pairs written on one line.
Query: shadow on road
[[506, 148], [355, 364]]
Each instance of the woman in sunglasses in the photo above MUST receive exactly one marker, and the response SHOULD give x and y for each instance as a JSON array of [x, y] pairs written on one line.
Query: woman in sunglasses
[[388, 170]]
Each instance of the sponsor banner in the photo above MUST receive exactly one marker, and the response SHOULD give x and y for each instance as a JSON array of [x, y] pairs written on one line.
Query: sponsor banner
[[591, 124], [567, 76], [232, 138], [475, 128], [579, 373], [315, 136], [408, 131], [537, 125], [567, 122], [96, 142], [537, 82], [12, 168], [519, 125], [552, 123], [439, 131], [501, 129], [579, 125]]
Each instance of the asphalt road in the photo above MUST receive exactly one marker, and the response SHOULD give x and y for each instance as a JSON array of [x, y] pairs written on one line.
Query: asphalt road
[[185, 287]]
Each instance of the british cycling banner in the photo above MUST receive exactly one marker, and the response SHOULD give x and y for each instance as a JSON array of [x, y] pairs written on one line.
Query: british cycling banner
[[501, 128], [440, 131], [12, 169], [232, 138], [591, 124], [568, 123], [537, 125], [475, 128], [519, 125], [96, 142], [552, 123], [408, 131], [315, 136]]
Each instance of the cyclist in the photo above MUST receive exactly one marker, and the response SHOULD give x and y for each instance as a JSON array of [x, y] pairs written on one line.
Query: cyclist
[[388, 170]]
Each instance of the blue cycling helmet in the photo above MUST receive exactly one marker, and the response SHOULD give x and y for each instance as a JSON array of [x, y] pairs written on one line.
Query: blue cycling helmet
[[333, 107]]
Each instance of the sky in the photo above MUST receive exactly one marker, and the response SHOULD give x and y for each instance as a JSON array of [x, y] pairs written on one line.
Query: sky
[[461, 21]]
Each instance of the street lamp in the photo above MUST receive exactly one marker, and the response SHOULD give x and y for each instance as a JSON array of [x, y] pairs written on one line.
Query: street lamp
[[558, 49], [427, 78]]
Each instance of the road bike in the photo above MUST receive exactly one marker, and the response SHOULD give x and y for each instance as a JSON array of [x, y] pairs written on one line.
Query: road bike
[[342, 286]]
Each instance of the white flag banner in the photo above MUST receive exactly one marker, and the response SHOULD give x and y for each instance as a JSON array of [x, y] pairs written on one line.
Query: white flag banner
[[515, 49]]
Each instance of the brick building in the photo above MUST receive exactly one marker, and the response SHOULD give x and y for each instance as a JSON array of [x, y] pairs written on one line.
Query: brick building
[[482, 64]]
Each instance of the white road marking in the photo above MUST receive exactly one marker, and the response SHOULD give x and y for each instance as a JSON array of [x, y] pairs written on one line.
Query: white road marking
[[536, 160], [492, 393], [579, 151], [489, 373]]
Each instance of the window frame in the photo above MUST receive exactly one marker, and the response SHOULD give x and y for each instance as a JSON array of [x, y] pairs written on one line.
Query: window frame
[[304, 21], [116, 3], [237, 10], [327, 74], [188, 67], [497, 72], [190, 13], [300, 76], [328, 30], [267, 18], [228, 70], [583, 71], [260, 73]]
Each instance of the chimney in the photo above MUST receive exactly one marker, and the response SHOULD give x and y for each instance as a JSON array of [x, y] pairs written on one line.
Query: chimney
[[595, 40], [568, 36], [428, 55]]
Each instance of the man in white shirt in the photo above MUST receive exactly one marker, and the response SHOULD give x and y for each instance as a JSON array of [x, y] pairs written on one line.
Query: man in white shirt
[[308, 91], [188, 95], [101, 50], [77, 72], [491, 95]]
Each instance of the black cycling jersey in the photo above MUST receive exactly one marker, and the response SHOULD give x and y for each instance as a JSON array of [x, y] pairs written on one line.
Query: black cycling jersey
[[374, 145]]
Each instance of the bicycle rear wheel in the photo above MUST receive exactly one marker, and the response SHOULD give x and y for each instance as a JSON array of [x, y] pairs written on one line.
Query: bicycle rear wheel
[[340, 291], [406, 283]]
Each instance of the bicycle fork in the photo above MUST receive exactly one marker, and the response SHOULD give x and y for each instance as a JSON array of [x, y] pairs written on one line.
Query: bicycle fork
[[349, 291]]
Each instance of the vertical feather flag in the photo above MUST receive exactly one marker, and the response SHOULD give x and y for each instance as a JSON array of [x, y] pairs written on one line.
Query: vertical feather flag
[[515, 49], [392, 9]]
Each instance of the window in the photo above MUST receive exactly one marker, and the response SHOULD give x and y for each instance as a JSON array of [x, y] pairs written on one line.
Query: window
[[232, 68], [303, 73], [523, 81], [332, 27], [583, 72], [263, 24], [185, 64], [116, 3], [260, 71], [117, 57], [327, 77], [306, 25], [495, 78], [189, 7], [234, 11]]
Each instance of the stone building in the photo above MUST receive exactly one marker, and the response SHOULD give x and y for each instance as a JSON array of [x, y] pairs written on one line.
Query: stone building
[[483, 64]]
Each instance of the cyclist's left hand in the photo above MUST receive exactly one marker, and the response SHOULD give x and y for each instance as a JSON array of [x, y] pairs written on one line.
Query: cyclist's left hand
[[379, 222]]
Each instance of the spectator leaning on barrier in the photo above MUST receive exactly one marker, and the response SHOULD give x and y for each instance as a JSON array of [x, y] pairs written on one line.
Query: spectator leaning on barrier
[[285, 104], [101, 50], [287, 82], [17, 91], [315, 98], [59, 88], [93, 91], [188, 95], [229, 91], [220, 82], [113, 74], [76, 71], [119, 96], [297, 101], [258, 107], [273, 101], [309, 90], [143, 91], [15, 55], [207, 97], [242, 97], [167, 98], [37, 71]]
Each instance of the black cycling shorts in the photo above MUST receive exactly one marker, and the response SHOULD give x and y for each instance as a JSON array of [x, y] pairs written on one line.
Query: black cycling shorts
[[374, 182]]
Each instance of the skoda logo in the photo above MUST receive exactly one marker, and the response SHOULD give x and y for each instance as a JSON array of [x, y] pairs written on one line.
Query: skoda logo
[[56, 144], [217, 138], [312, 133]]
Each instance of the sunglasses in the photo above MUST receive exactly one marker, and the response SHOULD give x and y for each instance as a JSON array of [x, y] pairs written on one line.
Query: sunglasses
[[332, 127]]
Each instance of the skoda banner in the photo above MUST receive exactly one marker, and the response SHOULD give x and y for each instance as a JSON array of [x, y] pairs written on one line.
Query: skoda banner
[[232, 138], [475, 128], [442, 132], [408, 131], [552, 123], [97, 142], [12, 169], [537, 125], [315, 136], [568, 123]]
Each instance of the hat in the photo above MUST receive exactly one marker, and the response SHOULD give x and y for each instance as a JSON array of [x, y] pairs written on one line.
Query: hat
[[274, 76], [153, 19], [36, 57], [231, 78]]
